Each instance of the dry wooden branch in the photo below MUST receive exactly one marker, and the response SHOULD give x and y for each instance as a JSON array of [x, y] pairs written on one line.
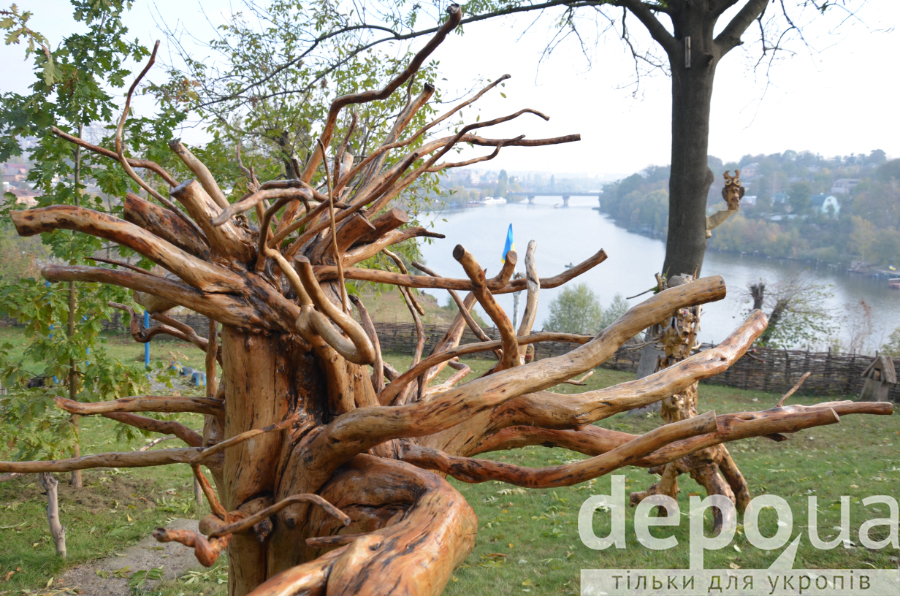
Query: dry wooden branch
[[192, 438], [275, 311], [489, 304], [475, 470], [247, 203], [359, 349], [135, 163], [325, 272], [248, 522], [204, 176], [555, 411], [593, 440], [793, 389], [143, 403], [452, 380], [581, 380], [369, 327], [331, 541], [366, 427], [451, 353], [156, 442], [166, 225], [214, 505], [212, 356], [187, 330], [201, 274], [533, 283], [460, 305], [141, 335], [228, 240], [244, 436], [125, 459], [206, 551], [120, 147]]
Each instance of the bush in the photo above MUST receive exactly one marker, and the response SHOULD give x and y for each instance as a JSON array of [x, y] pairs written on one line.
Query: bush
[[892, 346], [577, 310]]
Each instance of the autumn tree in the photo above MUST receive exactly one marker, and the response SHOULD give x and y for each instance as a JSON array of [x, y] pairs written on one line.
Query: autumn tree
[[328, 465]]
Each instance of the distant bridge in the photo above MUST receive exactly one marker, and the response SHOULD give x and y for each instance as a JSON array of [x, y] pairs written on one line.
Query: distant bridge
[[564, 194]]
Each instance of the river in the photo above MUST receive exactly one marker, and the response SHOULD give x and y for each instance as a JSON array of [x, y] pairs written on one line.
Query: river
[[570, 235]]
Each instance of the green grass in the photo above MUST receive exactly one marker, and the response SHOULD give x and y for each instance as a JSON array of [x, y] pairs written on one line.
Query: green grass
[[121, 346], [528, 540]]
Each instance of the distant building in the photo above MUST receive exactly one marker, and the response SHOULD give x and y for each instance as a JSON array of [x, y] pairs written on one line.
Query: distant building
[[749, 201], [826, 204], [844, 186], [13, 169], [780, 198], [749, 171], [25, 197]]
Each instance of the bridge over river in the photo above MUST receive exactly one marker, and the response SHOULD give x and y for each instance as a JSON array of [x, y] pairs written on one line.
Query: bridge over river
[[531, 194]]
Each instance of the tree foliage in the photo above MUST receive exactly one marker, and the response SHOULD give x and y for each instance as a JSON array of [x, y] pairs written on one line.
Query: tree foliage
[[79, 91], [798, 314], [576, 309]]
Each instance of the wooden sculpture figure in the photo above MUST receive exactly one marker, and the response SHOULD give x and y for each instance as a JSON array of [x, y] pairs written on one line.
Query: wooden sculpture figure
[[712, 467], [327, 465], [732, 192]]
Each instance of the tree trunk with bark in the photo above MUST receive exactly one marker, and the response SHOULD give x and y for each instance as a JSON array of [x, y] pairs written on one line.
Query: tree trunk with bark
[[328, 465]]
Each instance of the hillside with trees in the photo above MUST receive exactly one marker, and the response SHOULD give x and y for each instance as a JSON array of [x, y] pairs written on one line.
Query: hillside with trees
[[797, 205]]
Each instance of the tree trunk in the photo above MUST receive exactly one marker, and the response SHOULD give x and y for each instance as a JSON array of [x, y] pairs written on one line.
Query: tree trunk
[[690, 176], [77, 481], [57, 530], [266, 378]]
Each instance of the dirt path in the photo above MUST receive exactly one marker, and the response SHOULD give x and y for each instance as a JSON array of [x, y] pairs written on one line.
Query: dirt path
[[175, 559]]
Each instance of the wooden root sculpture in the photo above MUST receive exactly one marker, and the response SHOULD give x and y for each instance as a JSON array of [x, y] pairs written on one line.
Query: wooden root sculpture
[[711, 467], [327, 465]]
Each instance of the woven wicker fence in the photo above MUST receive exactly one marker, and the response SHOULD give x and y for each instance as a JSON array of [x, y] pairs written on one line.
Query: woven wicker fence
[[832, 374]]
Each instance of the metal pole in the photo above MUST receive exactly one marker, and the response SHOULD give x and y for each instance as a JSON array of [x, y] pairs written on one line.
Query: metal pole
[[146, 345]]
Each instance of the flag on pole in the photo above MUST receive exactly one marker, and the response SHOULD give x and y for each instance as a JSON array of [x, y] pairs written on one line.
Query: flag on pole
[[510, 245]]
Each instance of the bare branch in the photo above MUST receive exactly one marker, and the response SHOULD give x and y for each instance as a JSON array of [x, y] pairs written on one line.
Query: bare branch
[[489, 304], [144, 403], [248, 522], [170, 427], [206, 551], [730, 37], [478, 470], [197, 272], [136, 163], [126, 459]]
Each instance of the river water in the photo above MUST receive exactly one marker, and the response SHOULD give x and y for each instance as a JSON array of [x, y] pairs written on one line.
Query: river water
[[570, 235]]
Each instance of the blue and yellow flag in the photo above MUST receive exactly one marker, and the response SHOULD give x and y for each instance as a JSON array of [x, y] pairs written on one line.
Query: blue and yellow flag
[[510, 245]]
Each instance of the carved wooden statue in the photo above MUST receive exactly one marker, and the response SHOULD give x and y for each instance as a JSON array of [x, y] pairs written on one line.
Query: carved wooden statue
[[712, 467], [328, 466], [879, 375], [732, 192]]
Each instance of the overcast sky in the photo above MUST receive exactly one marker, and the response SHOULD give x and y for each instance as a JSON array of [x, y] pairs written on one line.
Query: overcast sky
[[840, 97]]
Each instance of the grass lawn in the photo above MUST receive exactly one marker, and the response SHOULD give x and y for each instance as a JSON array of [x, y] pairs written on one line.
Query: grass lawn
[[528, 540]]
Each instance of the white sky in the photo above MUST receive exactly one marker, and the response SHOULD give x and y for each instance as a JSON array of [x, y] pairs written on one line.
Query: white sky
[[839, 98]]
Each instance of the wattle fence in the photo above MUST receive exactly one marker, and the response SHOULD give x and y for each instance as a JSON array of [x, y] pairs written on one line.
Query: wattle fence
[[832, 374], [766, 369]]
